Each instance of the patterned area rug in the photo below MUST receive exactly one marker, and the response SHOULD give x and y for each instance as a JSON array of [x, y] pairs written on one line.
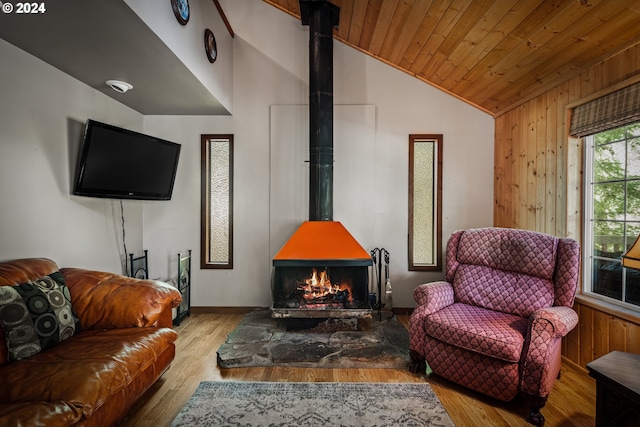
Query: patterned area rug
[[260, 340], [312, 404]]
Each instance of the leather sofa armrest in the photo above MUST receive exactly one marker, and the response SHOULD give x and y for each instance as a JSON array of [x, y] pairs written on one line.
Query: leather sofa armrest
[[106, 300]]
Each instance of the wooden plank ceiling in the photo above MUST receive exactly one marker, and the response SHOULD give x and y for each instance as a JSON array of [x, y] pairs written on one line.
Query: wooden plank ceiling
[[493, 54]]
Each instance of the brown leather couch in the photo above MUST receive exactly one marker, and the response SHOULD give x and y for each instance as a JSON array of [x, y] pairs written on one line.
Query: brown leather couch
[[93, 378]]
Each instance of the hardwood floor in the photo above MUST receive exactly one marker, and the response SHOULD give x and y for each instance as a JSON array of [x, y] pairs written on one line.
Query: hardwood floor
[[571, 403]]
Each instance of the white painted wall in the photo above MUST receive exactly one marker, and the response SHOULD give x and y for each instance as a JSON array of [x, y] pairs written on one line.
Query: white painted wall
[[354, 172], [187, 42], [42, 112], [270, 63], [42, 116]]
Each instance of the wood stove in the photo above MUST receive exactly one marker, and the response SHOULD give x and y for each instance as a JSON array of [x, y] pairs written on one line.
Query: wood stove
[[321, 272]]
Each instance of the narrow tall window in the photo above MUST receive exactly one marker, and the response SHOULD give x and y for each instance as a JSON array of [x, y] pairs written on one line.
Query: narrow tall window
[[217, 201], [612, 212], [425, 202]]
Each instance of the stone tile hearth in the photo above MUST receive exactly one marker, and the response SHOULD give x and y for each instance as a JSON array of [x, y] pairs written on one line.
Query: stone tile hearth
[[260, 340]]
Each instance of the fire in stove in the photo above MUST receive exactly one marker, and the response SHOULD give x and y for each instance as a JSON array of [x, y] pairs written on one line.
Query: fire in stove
[[320, 288], [318, 292]]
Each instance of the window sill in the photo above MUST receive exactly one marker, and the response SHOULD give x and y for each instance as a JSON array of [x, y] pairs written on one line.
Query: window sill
[[609, 308]]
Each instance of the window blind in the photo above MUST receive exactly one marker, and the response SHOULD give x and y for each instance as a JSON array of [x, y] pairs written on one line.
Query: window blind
[[608, 112]]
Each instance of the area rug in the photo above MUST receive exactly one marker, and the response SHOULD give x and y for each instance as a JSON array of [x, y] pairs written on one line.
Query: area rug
[[313, 404], [260, 340]]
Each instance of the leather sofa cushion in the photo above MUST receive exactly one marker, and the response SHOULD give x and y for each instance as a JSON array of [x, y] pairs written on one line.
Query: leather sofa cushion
[[107, 300], [87, 370], [25, 270], [491, 333], [30, 414]]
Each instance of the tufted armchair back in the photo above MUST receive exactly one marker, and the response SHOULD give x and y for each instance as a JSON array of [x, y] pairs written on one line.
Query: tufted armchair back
[[512, 271]]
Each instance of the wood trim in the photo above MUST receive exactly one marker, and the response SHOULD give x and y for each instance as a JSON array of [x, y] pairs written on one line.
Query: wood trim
[[609, 308], [574, 365], [598, 333], [224, 18]]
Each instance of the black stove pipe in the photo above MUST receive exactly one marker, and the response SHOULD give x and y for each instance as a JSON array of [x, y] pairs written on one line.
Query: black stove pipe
[[321, 16]]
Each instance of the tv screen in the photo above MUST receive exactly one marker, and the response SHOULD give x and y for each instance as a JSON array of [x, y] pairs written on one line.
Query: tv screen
[[123, 164]]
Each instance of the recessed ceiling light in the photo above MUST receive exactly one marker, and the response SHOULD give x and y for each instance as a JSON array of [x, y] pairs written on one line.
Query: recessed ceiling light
[[119, 86]]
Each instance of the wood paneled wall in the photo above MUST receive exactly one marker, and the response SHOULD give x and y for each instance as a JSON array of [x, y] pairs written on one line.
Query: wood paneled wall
[[537, 186]]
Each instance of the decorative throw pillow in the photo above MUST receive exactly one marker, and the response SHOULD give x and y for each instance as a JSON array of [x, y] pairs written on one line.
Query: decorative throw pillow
[[36, 315]]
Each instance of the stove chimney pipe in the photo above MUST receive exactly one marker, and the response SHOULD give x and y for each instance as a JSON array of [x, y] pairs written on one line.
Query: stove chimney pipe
[[321, 16]]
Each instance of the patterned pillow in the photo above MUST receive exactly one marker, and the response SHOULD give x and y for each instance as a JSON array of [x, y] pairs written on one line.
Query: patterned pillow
[[36, 315]]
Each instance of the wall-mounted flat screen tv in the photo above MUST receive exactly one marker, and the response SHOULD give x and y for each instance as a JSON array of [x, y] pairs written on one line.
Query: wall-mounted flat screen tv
[[122, 164]]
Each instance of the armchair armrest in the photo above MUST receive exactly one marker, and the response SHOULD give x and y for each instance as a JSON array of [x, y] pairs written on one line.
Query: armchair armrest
[[541, 356], [557, 321], [432, 297], [107, 300]]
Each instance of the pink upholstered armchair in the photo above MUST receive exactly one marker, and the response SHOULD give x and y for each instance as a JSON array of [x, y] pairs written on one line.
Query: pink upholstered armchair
[[496, 324]]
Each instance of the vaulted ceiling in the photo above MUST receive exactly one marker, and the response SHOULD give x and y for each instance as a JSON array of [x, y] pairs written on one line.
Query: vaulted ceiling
[[493, 54]]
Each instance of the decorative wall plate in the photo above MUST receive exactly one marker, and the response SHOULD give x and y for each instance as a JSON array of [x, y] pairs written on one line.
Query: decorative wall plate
[[210, 45], [181, 10]]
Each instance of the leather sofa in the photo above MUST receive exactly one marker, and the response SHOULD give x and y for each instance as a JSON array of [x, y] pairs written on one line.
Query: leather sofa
[[122, 344]]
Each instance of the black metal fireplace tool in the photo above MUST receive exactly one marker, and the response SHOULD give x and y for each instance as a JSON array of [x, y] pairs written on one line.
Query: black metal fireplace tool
[[377, 256]]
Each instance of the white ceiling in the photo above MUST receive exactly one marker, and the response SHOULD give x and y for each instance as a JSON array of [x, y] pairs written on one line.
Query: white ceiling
[[99, 40]]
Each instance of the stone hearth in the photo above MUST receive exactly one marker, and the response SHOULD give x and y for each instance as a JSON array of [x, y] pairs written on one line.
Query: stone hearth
[[260, 340]]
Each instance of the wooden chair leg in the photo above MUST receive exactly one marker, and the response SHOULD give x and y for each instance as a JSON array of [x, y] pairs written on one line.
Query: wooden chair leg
[[417, 365], [536, 404]]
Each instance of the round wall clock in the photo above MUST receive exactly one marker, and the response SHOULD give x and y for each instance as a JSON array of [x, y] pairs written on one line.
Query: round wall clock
[[210, 45], [181, 10]]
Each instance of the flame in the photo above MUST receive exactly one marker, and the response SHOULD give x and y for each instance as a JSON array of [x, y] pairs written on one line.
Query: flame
[[319, 285]]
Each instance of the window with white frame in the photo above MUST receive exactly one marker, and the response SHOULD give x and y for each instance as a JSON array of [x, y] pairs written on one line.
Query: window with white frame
[[612, 213]]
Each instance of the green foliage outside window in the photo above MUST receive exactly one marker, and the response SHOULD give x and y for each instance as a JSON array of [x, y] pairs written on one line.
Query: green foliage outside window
[[616, 164], [615, 211]]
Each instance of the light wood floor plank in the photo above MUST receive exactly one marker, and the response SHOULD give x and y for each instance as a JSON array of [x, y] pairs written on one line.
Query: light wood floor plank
[[571, 403]]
